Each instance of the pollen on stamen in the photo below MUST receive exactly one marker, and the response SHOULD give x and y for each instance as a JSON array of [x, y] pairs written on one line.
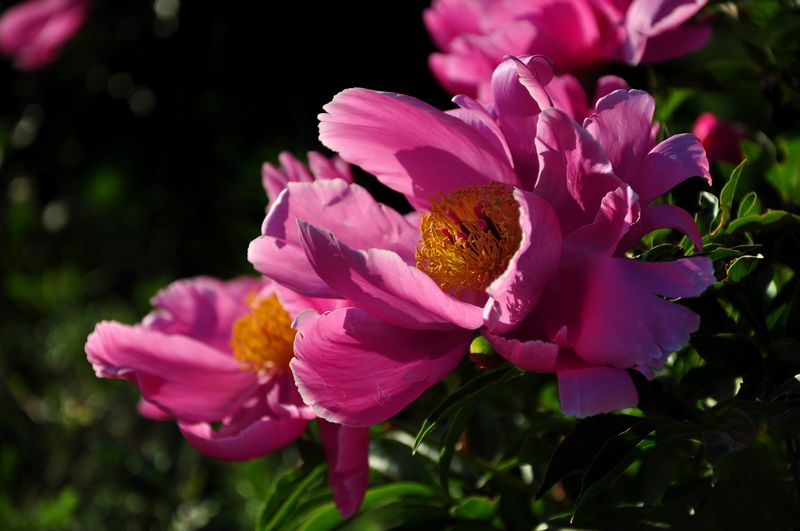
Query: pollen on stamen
[[263, 338], [469, 236]]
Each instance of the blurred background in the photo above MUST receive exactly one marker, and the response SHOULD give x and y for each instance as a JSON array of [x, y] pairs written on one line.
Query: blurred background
[[134, 160]]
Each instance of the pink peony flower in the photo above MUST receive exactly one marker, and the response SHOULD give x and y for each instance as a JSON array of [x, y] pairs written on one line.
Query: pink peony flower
[[32, 33], [475, 35], [719, 138], [219, 351], [527, 249]]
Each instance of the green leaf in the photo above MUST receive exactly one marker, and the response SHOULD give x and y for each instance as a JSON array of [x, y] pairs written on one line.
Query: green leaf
[[474, 387], [769, 220], [475, 508], [455, 427], [717, 252], [284, 493], [741, 267], [327, 517], [621, 451], [748, 205], [577, 450], [726, 198], [785, 176]]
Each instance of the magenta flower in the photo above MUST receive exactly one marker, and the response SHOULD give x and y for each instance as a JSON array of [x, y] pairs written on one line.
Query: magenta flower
[[527, 249], [218, 352], [474, 35], [32, 33], [719, 138]]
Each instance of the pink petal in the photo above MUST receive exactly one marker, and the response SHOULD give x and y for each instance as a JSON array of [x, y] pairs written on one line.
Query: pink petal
[[203, 308], [719, 138], [518, 86], [608, 84], [355, 369], [646, 19], [253, 431], [329, 168], [295, 303], [186, 378], [336, 205], [275, 179], [347, 454], [532, 355], [619, 210], [380, 282], [625, 322], [408, 145], [661, 217], [621, 124], [478, 117], [514, 293], [669, 163], [151, 411], [568, 95], [33, 32], [574, 172], [447, 19], [593, 390], [676, 43], [461, 74]]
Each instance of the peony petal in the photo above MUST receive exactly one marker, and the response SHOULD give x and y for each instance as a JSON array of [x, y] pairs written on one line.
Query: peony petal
[[608, 84], [532, 355], [477, 116], [574, 172], [446, 19], [676, 43], [661, 217], [347, 454], [275, 179], [203, 308], [347, 209], [186, 378], [325, 168], [151, 411], [408, 145], [590, 391], [256, 439], [669, 163], [568, 95], [514, 293], [254, 430], [621, 124], [625, 322], [461, 74], [355, 369], [380, 282], [647, 19], [286, 263]]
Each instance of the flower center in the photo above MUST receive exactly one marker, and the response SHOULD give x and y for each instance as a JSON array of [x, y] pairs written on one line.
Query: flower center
[[469, 236], [263, 339]]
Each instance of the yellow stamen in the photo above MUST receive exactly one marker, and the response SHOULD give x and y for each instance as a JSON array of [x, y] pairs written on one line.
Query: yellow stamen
[[263, 339], [469, 236]]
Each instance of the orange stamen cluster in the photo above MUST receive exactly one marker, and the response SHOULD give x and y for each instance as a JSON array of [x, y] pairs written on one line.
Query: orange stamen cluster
[[469, 236], [263, 339]]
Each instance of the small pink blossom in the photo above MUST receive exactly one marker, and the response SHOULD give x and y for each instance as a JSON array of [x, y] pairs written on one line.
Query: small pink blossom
[[719, 138], [475, 35], [550, 288], [218, 351], [32, 33]]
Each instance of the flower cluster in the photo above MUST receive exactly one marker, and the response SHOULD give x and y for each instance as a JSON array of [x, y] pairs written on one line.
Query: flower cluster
[[527, 206], [474, 35]]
